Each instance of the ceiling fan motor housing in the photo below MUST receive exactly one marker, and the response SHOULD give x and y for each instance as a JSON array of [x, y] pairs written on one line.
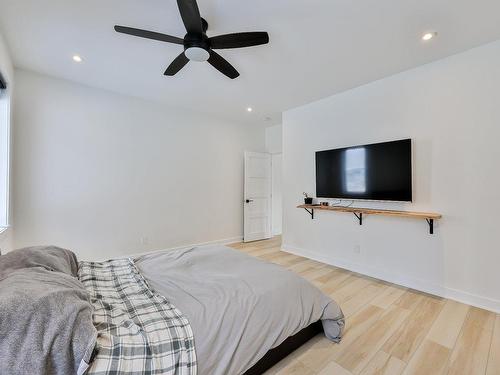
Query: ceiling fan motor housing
[[197, 47]]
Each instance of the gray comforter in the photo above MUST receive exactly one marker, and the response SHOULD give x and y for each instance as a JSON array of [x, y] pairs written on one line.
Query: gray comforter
[[238, 306], [45, 314]]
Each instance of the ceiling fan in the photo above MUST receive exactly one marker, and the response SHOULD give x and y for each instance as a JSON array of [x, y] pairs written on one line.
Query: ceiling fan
[[197, 45]]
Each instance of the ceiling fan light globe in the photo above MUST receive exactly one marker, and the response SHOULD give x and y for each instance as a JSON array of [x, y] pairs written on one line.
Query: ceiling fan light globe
[[197, 54]]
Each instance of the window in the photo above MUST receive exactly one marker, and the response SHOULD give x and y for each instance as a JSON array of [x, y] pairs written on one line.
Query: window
[[4, 152]]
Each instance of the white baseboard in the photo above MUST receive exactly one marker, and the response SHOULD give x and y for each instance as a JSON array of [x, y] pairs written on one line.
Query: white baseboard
[[409, 282], [225, 241]]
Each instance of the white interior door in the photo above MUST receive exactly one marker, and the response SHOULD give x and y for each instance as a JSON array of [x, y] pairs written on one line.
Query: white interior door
[[257, 205]]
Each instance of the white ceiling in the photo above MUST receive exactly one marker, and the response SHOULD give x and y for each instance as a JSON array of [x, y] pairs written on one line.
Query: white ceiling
[[317, 48]]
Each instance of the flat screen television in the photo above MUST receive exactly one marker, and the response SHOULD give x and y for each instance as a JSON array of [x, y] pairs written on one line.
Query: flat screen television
[[379, 171]]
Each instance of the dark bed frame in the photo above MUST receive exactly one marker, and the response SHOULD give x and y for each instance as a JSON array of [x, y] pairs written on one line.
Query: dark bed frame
[[275, 355]]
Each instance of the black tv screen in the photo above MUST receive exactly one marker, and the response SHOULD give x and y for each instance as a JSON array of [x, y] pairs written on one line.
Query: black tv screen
[[380, 171]]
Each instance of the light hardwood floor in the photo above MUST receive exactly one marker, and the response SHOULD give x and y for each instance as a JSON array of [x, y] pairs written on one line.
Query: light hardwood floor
[[390, 330]]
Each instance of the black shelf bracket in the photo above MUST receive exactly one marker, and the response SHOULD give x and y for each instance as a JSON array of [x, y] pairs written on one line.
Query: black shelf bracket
[[431, 225], [311, 212], [360, 217]]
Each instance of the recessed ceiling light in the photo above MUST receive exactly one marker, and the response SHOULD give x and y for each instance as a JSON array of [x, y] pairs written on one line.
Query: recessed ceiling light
[[249, 109], [428, 36], [77, 59]]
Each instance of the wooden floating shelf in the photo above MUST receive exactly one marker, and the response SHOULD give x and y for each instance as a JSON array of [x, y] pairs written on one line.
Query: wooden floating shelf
[[359, 212]]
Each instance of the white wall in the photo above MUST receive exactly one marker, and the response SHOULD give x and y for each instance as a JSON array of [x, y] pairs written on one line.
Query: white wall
[[8, 74], [274, 139], [96, 172], [6, 61], [451, 110]]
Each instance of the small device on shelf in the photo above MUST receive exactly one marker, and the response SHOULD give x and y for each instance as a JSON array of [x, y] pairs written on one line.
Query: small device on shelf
[[307, 198]]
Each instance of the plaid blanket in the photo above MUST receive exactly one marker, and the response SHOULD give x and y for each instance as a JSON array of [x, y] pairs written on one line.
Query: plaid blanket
[[139, 331]]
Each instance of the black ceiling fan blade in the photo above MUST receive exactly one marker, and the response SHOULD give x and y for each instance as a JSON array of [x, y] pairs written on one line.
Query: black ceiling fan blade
[[239, 40], [176, 65], [190, 14], [148, 34], [221, 64]]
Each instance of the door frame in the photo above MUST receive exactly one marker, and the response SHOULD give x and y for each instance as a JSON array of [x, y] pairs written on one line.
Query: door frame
[[273, 213]]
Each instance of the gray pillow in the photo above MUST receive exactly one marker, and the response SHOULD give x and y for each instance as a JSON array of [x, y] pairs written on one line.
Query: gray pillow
[[49, 257], [45, 323]]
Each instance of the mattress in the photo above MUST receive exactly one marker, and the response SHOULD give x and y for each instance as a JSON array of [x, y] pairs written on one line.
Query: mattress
[[239, 307]]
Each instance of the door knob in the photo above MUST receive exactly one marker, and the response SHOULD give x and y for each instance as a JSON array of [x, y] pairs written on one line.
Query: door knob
[[249, 200]]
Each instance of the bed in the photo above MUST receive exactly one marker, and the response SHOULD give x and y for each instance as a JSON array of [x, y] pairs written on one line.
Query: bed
[[204, 310]]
